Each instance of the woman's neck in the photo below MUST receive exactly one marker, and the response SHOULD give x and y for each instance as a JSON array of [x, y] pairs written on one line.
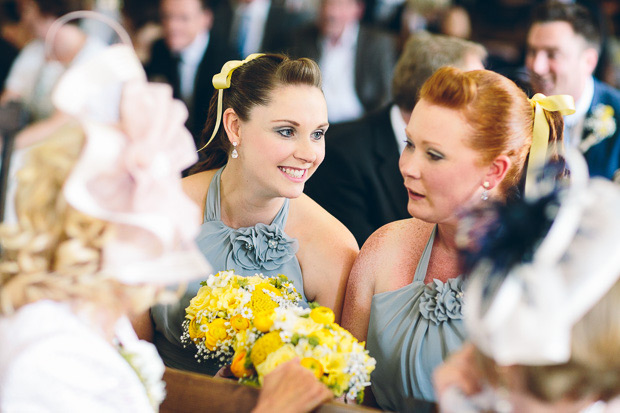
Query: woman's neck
[[446, 236], [242, 204]]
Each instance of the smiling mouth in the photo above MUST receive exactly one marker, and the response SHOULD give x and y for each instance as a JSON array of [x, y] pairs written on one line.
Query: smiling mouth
[[293, 172]]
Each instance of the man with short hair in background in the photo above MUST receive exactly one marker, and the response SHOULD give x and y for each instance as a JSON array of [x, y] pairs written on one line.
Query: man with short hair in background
[[563, 46], [188, 56]]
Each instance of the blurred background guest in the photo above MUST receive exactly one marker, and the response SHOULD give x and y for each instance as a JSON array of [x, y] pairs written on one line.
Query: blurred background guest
[[563, 47], [359, 181], [356, 61], [252, 26], [188, 56]]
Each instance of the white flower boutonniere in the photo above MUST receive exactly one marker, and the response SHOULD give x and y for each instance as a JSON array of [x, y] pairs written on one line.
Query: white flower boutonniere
[[143, 358], [602, 125]]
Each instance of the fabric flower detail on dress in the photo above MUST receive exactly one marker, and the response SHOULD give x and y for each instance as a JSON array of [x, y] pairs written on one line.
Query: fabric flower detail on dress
[[262, 246], [442, 301], [602, 125]]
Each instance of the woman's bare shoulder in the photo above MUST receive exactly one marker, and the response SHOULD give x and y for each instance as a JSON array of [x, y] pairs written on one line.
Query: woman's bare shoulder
[[196, 186], [393, 249], [313, 225]]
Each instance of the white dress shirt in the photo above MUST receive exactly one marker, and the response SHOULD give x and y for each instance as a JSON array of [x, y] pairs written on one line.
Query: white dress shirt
[[337, 65], [398, 126], [188, 66], [573, 124], [254, 17]]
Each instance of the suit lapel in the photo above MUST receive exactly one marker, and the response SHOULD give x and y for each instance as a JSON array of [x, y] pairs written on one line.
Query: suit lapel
[[386, 156]]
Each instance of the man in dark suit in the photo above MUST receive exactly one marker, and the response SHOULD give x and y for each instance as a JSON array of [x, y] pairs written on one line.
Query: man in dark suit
[[252, 26], [356, 61], [188, 56], [564, 43], [359, 182]]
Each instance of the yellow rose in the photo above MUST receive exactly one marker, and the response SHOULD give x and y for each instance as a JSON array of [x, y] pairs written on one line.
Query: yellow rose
[[264, 346], [194, 329], [238, 364], [239, 323], [210, 341], [313, 365], [217, 329], [263, 320], [199, 302], [274, 359], [322, 315]]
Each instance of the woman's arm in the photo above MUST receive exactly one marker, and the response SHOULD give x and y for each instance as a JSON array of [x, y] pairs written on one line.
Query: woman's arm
[[360, 288], [327, 250]]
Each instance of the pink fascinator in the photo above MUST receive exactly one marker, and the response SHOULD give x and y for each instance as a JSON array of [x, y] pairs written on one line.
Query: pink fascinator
[[129, 171]]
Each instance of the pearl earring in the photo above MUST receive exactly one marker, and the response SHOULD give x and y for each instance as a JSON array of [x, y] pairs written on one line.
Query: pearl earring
[[234, 153], [485, 193]]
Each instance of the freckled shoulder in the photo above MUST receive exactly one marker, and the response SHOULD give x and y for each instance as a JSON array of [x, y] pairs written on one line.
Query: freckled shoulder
[[390, 255], [196, 187]]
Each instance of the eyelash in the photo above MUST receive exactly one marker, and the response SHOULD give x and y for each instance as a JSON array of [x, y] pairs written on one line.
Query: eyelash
[[433, 156], [289, 132], [283, 131]]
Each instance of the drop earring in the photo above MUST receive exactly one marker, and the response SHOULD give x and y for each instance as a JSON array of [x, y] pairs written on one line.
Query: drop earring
[[485, 193], [234, 153]]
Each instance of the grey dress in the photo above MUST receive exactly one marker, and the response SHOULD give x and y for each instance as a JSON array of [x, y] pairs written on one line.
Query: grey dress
[[410, 332], [259, 249]]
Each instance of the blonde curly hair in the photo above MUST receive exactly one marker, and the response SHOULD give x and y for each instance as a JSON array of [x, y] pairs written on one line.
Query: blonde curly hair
[[54, 251]]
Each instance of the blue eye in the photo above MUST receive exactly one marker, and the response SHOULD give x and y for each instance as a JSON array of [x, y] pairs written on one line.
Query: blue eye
[[318, 135], [286, 132]]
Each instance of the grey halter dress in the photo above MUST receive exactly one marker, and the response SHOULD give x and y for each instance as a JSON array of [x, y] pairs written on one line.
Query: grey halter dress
[[410, 332], [262, 249]]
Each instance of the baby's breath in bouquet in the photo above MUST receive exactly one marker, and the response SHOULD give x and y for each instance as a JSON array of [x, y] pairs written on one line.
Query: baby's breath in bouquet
[[228, 304], [331, 352]]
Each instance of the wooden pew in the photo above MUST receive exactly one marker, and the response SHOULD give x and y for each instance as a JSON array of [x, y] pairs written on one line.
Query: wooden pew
[[191, 392]]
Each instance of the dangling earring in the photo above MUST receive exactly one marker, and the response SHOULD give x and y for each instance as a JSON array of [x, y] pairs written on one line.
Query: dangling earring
[[485, 193], [234, 153]]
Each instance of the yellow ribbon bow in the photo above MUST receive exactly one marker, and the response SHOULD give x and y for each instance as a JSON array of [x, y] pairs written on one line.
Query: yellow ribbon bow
[[564, 104], [221, 81]]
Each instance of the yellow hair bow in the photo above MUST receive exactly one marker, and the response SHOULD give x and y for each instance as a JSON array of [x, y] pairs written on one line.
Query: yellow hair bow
[[221, 81], [564, 104]]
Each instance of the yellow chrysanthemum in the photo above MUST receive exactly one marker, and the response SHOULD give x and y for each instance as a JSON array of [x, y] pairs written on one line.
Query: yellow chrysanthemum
[[322, 315], [313, 365], [260, 300], [336, 363], [337, 382], [264, 346], [263, 320]]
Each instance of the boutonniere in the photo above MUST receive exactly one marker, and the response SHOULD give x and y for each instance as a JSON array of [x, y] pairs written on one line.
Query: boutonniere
[[144, 360], [601, 124]]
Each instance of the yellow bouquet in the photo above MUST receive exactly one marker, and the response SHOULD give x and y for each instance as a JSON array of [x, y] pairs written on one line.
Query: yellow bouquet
[[332, 353], [227, 304]]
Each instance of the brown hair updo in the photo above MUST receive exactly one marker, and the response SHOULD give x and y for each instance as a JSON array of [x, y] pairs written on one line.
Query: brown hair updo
[[499, 113], [251, 85]]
